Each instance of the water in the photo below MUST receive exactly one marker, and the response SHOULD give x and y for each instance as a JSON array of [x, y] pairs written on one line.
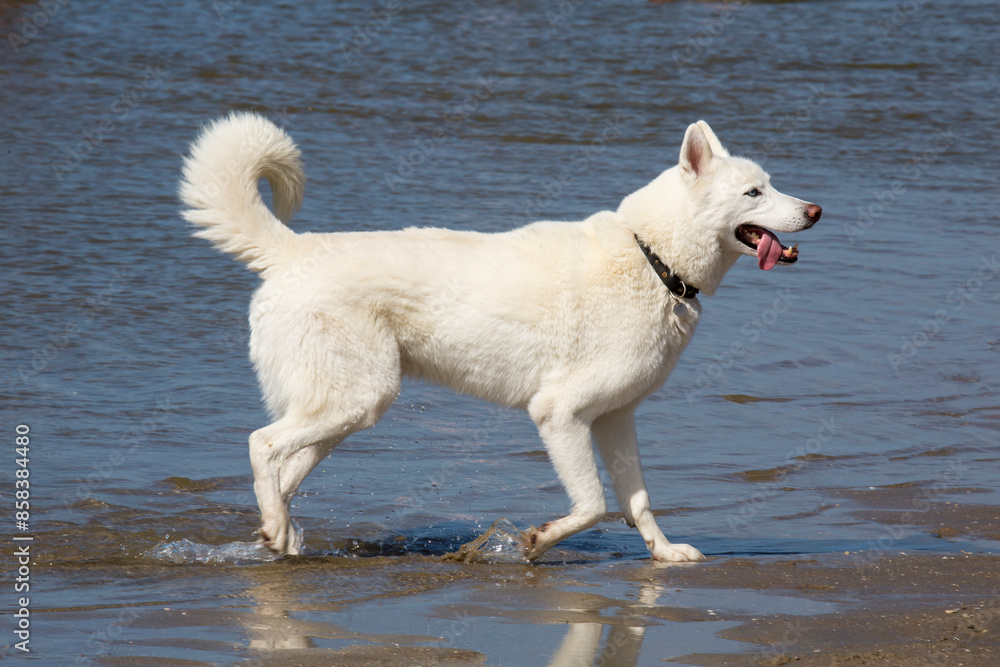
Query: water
[[869, 367]]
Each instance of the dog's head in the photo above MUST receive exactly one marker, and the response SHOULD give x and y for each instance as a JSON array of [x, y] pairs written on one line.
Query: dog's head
[[710, 209], [753, 210]]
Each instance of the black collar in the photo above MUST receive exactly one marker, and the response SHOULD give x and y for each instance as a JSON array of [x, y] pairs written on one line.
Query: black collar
[[663, 272]]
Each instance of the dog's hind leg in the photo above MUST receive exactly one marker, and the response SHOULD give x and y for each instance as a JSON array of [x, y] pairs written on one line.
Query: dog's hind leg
[[282, 454], [615, 436], [571, 450], [285, 452], [341, 384]]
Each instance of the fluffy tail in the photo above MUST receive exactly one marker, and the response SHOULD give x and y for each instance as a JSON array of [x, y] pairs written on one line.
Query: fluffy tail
[[219, 185]]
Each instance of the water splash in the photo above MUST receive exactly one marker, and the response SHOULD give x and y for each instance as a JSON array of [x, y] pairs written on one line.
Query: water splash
[[502, 543], [186, 551]]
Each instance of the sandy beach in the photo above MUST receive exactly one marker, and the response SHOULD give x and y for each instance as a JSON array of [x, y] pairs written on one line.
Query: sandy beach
[[874, 607]]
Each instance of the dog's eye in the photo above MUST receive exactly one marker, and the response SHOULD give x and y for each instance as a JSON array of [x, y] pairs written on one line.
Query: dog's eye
[[753, 192]]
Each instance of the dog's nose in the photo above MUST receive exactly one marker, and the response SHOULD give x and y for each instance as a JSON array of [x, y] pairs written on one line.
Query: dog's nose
[[813, 212]]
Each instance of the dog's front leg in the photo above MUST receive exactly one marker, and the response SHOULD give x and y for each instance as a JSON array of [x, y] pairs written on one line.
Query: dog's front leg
[[617, 442], [571, 450]]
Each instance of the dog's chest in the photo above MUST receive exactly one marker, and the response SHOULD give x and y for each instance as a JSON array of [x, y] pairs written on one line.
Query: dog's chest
[[677, 325], [652, 344]]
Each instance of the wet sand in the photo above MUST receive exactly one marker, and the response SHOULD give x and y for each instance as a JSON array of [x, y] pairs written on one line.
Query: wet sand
[[899, 610], [879, 606]]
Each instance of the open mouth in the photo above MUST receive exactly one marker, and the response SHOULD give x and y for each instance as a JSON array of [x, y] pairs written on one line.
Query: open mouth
[[769, 249]]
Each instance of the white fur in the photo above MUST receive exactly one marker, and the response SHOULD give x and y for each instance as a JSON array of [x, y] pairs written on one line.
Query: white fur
[[566, 320]]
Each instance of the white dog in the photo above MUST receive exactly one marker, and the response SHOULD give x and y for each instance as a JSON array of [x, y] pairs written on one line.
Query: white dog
[[575, 322]]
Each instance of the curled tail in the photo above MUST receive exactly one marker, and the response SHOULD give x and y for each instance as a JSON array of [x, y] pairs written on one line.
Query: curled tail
[[219, 187]]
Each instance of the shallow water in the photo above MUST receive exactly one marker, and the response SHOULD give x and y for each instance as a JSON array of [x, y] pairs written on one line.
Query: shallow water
[[868, 368]]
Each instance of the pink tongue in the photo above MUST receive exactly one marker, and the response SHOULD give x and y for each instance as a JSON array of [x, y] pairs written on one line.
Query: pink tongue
[[768, 250]]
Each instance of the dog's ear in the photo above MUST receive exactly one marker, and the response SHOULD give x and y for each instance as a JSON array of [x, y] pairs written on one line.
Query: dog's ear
[[696, 152], [717, 148]]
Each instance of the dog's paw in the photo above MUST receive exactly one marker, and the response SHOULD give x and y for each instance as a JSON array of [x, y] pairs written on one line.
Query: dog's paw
[[277, 541], [266, 541], [533, 541], [677, 553]]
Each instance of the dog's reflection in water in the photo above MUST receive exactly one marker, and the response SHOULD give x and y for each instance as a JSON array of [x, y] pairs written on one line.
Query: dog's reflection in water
[[582, 644], [278, 631]]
